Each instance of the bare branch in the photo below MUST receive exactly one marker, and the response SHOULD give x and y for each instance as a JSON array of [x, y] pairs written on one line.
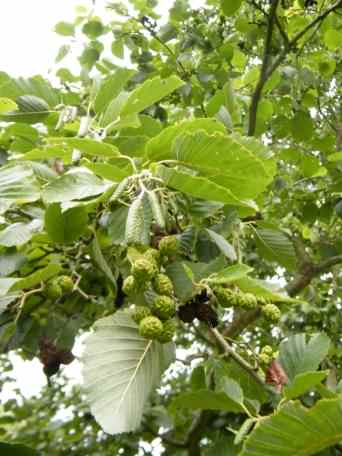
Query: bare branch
[[266, 69]]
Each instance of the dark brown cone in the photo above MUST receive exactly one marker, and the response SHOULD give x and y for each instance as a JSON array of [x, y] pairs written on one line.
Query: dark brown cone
[[187, 312], [207, 314]]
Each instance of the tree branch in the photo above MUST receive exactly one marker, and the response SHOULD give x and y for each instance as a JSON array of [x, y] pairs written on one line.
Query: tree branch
[[229, 351], [266, 70]]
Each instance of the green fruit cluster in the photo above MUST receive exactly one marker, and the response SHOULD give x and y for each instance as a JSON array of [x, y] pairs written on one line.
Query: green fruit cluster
[[163, 285], [56, 287], [169, 246], [231, 298], [271, 312], [267, 355], [155, 322], [140, 312], [164, 307]]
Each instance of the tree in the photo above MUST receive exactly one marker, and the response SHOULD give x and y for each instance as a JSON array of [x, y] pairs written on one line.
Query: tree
[[185, 206]]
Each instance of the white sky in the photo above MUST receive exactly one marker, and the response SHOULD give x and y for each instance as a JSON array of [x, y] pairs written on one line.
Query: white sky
[[28, 43]]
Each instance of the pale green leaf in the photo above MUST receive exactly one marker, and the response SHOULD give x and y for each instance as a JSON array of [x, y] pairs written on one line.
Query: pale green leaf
[[19, 233], [6, 284], [120, 371], [73, 186], [296, 430], [11, 262], [263, 289], [18, 184]]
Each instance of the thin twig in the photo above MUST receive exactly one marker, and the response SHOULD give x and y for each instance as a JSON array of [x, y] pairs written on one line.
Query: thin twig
[[228, 350]]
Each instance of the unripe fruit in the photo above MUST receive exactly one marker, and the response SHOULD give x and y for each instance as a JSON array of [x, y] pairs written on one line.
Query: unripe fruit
[[129, 285], [248, 301], [152, 255], [163, 285], [264, 358], [66, 283], [271, 312], [53, 290], [164, 307], [169, 246], [150, 327], [143, 270], [267, 349], [169, 330], [225, 296], [139, 313]]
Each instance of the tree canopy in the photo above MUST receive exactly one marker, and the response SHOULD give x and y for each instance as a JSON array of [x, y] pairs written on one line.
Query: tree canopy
[[176, 196]]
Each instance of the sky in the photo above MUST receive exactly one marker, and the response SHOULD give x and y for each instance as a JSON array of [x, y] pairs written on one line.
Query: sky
[[28, 43]]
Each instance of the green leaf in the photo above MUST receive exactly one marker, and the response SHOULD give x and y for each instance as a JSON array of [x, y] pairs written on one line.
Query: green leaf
[[42, 275], [333, 39], [274, 245], [296, 355], [139, 220], [73, 186], [108, 171], [241, 165], [149, 93], [116, 225], [11, 262], [159, 147], [182, 283], [199, 186], [6, 300], [65, 227], [87, 146], [18, 184], [302, 126], [6, 284], [296, 430], [230, 7], [6, 105], [337, 156], [207, 400], [65, 28], [230, 274], [303, 383], [120, 371], [224, 246], [101, 261], [93, 29], [111, 87], [11, 449], [18, 233], [262, 289]]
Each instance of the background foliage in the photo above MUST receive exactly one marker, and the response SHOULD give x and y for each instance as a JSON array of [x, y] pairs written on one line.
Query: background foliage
[[219, 125]]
